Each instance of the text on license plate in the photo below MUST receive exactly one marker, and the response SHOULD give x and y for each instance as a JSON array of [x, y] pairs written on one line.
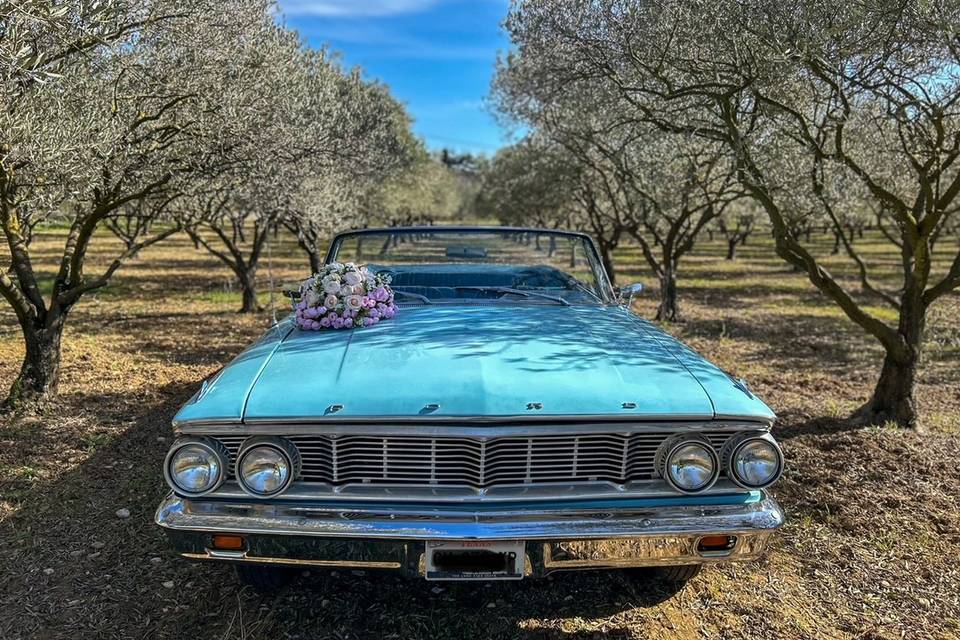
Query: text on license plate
[[474, 560]]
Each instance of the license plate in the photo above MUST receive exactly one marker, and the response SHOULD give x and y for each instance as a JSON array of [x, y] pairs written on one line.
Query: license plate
[[474, 560]]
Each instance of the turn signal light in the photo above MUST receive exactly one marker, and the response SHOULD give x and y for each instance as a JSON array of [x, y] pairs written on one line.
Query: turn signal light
[[226, 542], [713, 544]]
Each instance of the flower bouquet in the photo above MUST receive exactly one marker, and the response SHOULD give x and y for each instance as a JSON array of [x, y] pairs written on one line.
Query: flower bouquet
[[344, 296]]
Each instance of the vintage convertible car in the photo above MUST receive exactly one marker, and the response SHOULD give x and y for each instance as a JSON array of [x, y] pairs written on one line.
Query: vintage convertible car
[[514, 419]]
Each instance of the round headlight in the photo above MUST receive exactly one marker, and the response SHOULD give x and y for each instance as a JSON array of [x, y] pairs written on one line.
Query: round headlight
[[195, 466], [690, 465], [755, 462], [267, 466]]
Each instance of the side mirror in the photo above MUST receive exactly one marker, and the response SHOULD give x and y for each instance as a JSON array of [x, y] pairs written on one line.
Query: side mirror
[[628, 291], [291, 290]]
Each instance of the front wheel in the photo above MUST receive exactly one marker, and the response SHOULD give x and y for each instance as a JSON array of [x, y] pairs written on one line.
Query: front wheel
[[672, 578], [265, 579], [680, 573]]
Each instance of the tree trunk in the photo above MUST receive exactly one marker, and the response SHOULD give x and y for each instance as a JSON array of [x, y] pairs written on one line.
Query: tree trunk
[[668, 309], [249, 292], [893, 400], [316, 261], [731, 248], [39, 374]]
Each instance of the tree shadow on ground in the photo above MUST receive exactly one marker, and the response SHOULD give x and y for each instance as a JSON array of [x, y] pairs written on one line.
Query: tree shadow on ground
[[804, 341], [791, 424]]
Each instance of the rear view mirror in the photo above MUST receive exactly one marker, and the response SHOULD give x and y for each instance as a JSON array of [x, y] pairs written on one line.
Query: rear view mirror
[[627, 292]]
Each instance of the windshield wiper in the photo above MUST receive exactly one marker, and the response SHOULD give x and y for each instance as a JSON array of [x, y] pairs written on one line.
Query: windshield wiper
[[422, 298], [516, 292], [576, 284]]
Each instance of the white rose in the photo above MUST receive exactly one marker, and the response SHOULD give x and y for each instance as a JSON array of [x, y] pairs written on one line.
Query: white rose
[[353, 278], [330, 302], [312, 297], [354, 302], [331, 287]]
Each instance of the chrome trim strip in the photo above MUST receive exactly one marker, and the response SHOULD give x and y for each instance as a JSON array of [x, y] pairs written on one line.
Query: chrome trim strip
[[306, 491], [733, 416], [756, 421], [179, 514], [646, 552], [563, 555], [516, 418], [465, 428], [241, 556]]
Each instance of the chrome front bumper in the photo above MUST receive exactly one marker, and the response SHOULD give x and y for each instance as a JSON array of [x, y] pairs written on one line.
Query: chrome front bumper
[[558, 538]]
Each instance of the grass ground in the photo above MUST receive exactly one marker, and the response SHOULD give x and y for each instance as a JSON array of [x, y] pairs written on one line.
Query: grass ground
[[869, 550]]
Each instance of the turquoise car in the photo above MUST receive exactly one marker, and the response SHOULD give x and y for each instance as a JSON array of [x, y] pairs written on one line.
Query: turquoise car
[[513, 419]]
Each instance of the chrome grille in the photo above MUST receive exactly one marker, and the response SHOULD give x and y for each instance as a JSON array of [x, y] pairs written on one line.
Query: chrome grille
[[415, 460]]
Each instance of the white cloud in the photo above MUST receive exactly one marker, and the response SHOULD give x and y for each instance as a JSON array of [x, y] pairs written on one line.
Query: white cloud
[[353, 8]]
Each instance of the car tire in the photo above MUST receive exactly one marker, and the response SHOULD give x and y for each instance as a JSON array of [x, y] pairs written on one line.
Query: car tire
[[265, 580], [680, 573], [672, 578]]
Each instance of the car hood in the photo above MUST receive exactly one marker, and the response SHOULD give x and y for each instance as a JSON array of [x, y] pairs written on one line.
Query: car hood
[[494, 361]]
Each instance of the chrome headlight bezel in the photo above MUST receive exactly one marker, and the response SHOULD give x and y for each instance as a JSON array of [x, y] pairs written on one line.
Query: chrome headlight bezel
[[287, 450], [672, 446], [735, 446], [216, 450]]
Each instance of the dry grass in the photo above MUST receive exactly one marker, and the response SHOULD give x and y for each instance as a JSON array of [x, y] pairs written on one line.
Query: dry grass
[[869, 551]]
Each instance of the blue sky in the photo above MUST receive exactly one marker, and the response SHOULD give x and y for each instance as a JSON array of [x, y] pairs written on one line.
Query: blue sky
[[437, 56]]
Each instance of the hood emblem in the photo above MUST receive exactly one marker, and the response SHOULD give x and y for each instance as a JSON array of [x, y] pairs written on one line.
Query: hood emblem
[[534, 406], [429, 408], [629, 405], [333, 409]]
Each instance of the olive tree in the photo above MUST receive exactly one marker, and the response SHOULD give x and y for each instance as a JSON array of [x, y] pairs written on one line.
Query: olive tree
[[736, 224], [426, 192], [318, 130], [530, 185], [670, 187], [862, 90], [663, 188], [99, 109]]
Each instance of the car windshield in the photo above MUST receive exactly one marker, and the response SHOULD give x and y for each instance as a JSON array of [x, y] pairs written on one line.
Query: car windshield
[[436, 265]]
